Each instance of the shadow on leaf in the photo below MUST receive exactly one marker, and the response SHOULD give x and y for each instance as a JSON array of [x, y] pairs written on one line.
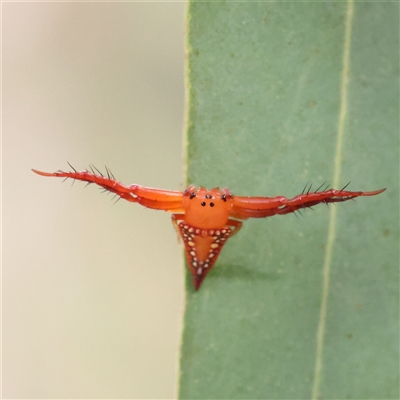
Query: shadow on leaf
[[233, 271]]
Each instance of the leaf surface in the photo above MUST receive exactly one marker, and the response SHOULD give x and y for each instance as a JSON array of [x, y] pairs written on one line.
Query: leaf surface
[[281, 95]]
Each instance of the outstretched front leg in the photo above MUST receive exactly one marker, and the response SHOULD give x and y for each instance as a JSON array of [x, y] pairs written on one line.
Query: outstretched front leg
[[158, 199], [261, 207]]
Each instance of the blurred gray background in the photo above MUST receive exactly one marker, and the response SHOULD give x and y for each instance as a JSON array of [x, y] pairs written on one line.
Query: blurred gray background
[[92, 292]]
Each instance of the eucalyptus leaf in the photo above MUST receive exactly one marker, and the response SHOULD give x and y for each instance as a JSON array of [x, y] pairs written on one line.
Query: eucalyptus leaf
[[281, 94]]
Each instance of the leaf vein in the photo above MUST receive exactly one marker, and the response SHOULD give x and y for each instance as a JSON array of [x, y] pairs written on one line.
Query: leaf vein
[[332, 215]]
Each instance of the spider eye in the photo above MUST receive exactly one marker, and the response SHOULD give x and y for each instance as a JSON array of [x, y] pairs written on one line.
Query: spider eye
[[208, 196], [223, 197], [203, 203], [193, 194], [211, 204]]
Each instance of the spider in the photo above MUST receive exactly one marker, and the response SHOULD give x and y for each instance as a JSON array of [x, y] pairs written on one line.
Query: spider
[[205, 219]]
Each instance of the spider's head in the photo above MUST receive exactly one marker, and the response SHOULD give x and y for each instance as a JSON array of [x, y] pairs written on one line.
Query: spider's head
[[207, 209]]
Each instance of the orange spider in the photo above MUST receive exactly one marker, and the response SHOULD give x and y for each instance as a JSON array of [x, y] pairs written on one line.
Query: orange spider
[[202, 217]]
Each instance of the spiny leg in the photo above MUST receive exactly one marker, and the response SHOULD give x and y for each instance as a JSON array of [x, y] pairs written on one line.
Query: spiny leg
[[159, 199], [261, 207]]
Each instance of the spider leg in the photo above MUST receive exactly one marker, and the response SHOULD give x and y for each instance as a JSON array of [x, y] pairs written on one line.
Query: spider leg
[[236, 224], [261, 207], [175, 218], [168, 200]]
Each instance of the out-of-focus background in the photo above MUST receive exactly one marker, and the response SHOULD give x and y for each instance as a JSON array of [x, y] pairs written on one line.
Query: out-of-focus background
[[92, 292]]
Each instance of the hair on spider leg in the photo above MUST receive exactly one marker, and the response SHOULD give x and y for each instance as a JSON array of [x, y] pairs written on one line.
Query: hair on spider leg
[[344, 187], [95, 173], [98, 171], [304, 189], [325, 202], [71, 166], [319, 187], [116, 201], [308, 191], [109, 173], [104, 190]]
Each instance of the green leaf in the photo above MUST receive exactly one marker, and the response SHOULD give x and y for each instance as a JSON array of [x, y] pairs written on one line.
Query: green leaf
[[281, 94]]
